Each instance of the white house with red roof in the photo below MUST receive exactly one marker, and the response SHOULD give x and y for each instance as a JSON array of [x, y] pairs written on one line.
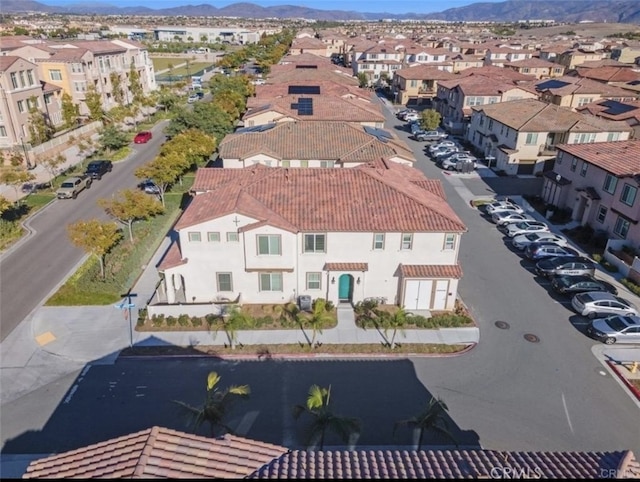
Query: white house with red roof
[[269, 235]]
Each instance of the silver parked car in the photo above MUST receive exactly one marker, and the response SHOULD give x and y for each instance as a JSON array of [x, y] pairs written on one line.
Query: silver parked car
[[599, 303], [514, 229], [622, 329], [537, 251], [496, 206], [523, 240], [506, 217]]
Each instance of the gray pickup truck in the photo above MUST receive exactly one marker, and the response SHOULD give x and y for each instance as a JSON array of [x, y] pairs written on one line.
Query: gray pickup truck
[[71, 186]]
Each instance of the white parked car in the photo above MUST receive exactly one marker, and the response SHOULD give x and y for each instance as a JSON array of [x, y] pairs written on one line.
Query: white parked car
[[506, 217], [411, 116], [523, 227], [522, 241], [496, 206], [441, 145], [450, 163]]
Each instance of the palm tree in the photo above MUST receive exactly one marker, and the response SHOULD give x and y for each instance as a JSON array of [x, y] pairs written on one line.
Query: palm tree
[[317, 406], [216, 406], [433, 417], [232, 321], [318, 317], [395, 321]]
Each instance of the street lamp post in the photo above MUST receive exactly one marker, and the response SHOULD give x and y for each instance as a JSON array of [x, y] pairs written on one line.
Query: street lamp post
[[26, 153], [125, 305]]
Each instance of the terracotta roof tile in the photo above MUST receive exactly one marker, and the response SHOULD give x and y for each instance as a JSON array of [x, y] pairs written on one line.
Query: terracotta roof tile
[[371, 197], [582, 85], [172, 258], [431, 271], [159, 452], [309, 140], [603, 108], [424, 72], [621, 158], [346, 267]]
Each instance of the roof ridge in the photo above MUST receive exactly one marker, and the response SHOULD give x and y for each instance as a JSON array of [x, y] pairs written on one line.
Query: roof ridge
[[145, 454]]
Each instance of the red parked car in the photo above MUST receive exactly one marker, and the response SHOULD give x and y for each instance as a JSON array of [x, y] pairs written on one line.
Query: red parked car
[[142, 137]]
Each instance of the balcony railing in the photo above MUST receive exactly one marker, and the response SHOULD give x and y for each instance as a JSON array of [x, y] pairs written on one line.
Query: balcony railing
[[546, 149]]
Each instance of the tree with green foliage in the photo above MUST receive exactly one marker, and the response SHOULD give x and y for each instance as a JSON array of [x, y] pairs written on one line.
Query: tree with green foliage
[[5, 205], [195, 145], [16, 177], [216, 407], [430, 119], [167, 98], [130, 206], [432, 418], [116, 87], [70, 111], [95, 237], [317, 406], [39, 129], [52, 165], [231, 321], [208, 117], [363, 80], [163, 171], [111, 138], [395, 321], [93, 100], [318, 317], [135, 86]]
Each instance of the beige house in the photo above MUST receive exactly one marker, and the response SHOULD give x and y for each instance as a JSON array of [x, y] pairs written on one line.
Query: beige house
[[22, 90], [614, 110], [540, 69], [312, 144], [417, 84], [522, 135], [309, 45], [498, 56], [267, 92], [574, 57], [574, 92], [627, 53], [461, 62]]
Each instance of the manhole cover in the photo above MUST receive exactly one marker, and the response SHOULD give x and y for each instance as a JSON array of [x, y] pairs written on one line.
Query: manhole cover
[[503, 325], [531, 338]]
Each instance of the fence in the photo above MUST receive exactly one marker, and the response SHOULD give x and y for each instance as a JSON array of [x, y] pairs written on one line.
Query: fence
[[61, 142]]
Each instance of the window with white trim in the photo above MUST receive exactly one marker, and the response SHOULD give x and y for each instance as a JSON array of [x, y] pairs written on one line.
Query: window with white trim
[[449, 241], [21, 106], [407, 241], [304, 163], [610, 184], [559, 157], [628, 195], [613, 136], [55, 74], [532, 138], [3, 131], [232, 237], [622, 227], [378, 241], [213, 237], [585, 138], [314, 243], [314, 281], [583, 169], [269, 244], [14, 80], [194, 237], [270, 281], [225, 281], [602, 214], [30, 77], [574, 164], [327, 163]]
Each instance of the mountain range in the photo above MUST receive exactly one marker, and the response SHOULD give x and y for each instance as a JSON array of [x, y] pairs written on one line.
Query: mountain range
[[569, 11]]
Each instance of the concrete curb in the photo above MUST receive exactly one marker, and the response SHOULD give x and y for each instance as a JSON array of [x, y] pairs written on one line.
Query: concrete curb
[[625, 381]]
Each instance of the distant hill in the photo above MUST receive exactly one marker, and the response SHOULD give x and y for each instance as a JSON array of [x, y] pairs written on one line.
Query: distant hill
[[570, 11]]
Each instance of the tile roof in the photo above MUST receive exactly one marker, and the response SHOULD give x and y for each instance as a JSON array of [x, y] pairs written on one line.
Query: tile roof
[[346, 267], [6, 61], [424, 72], [290, 75], [172, 258], [159, 453], [582, 85], [532, 115], [266, 92], [608, 73], [621, 158], [445, 464], [66, 55], [431, 271], [337, 141], [379, 196], [480, 85], [325, 108], [603, 108]]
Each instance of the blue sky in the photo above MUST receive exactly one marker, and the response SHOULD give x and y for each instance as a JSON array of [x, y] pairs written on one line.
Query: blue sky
[[391, 6]]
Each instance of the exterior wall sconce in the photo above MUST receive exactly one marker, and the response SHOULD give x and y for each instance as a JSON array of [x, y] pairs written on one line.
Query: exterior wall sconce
[[333, 280], [358, 280]]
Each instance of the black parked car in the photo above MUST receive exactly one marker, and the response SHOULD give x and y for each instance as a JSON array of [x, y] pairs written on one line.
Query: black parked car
[[565, 265], [570, 285], [97, 169]]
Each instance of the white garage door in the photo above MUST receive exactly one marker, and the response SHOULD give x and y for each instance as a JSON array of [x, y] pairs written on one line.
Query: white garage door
[[417, 294]]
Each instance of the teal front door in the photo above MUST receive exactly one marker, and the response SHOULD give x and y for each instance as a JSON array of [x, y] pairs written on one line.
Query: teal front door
[[344, 287]]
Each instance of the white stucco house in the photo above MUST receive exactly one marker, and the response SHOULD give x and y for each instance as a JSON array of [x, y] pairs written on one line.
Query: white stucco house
[[269, 235]]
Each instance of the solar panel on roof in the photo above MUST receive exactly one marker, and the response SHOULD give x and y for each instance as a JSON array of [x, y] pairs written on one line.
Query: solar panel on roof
[[616, 108], [304, 106], [306, 66], [381, 135], [634, 82], [260, 128], [551, 84], [304, 89]]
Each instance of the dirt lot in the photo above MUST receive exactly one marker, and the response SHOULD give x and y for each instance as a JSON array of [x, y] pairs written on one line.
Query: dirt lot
[[597, 30]]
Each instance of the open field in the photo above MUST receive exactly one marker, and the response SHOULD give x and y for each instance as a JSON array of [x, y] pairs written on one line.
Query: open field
[[597, 30]]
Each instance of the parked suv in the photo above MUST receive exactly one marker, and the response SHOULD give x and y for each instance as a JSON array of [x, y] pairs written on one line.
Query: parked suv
[[569, 265], [427, 136], [596, 303], [537, 251], [623, 329], [97, 169]]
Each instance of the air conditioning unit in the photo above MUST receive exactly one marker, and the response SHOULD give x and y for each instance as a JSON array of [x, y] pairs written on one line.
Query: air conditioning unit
[[304, 302]]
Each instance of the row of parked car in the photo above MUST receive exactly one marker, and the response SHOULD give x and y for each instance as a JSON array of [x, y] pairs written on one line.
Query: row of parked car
[[450, 156], [613, 319]]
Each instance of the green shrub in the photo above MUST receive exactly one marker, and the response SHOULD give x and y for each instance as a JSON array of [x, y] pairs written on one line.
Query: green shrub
[[611, 268], [142, 316], [263, 320], [196, 321], [211, 319], [157, 320], [598, 258], [631, 285], [184, 320], [171, 320]]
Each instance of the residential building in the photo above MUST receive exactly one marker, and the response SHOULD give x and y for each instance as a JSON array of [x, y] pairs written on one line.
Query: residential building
[[309, 45], [608, 74], [627, 53], [21, 90], [574, 57], [461, 62], [270, 235], [267, 92], [159, 452], [312, 144], [227, 35], [455, 98], [302, 107], [379, 62], [614, 110], [305, 73], [599, 183], [575, 92], [418, 84], [522, 135], [498, 56], [540, 69]]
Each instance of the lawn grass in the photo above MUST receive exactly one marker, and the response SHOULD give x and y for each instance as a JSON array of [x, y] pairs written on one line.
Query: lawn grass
[[162, 63]]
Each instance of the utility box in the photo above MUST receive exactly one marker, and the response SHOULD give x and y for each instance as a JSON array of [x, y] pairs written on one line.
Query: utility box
[[304, 302]]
